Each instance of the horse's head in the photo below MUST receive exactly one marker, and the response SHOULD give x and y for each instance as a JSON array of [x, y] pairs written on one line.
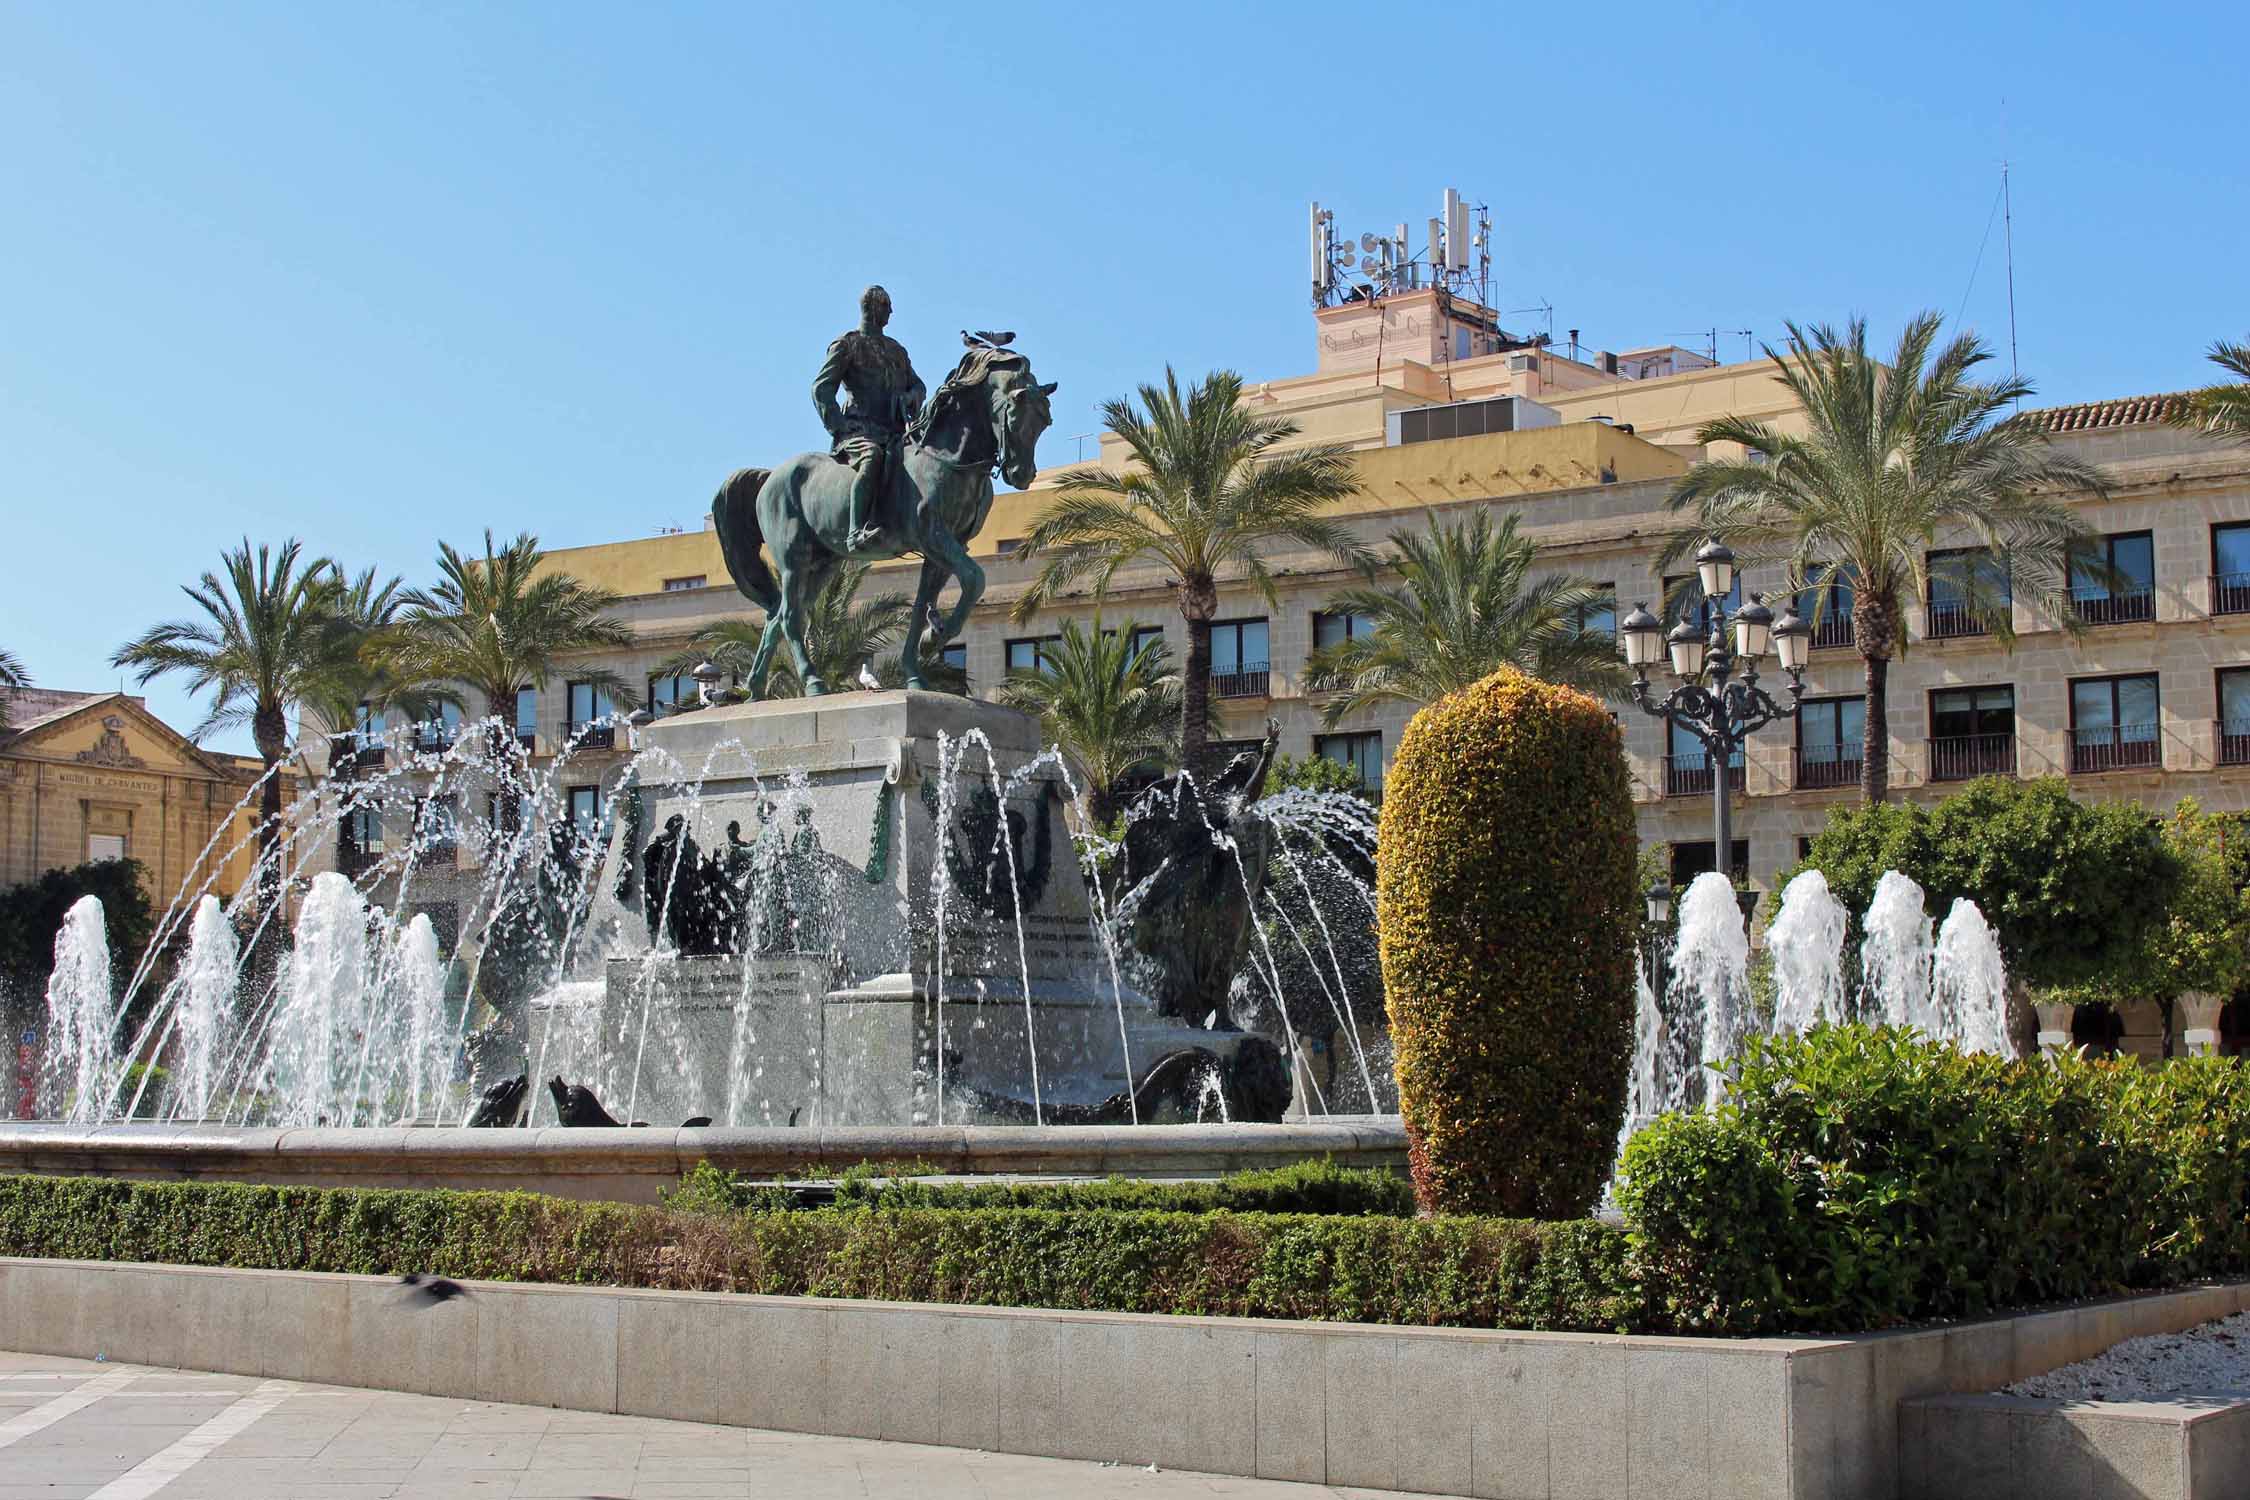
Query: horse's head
[[1019, 414], [1014, 411]]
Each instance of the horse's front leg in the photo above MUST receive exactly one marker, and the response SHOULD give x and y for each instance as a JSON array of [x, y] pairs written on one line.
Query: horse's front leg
[[944, 550], [925, 600]]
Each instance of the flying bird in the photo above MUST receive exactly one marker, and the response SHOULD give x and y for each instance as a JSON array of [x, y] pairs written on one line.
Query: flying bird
[[868, 679], [995, 340], [428, 1291]]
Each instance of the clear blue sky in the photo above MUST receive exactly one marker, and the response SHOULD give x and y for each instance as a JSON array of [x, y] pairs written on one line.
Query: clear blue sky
[[372, 275]]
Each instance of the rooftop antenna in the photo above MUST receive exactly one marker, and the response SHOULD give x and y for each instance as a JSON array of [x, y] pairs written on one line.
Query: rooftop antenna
[[2008, 221], [1080, 439]]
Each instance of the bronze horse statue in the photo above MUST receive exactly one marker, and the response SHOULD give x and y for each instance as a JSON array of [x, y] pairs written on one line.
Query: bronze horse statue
[[986, 417]]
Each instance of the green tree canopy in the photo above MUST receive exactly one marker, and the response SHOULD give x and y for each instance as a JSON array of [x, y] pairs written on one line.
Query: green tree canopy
[[1209, 488], [12, 677], [1897, 459], [2072, 888], [2223, 410], [32, 913], [1465, 605], [1112, 707]]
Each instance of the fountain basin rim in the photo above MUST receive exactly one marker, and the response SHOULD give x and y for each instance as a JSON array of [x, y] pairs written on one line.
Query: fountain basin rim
[[633, 1165]]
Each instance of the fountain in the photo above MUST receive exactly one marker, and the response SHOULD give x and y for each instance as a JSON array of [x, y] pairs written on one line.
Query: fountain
[[1954, 989]]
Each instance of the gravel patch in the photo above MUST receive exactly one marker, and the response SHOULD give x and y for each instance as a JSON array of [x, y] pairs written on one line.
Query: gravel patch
[[2207, 1360]]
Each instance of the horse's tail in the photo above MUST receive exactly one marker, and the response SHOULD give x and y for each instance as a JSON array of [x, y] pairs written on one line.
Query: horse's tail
[[734, 515]]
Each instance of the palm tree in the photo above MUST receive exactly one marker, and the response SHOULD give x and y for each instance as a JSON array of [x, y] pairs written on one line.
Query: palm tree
[[271, 641], [368, 609], [843, 632], [1893, 458], [2222, 410], [12, 677], [1206, 492], [494, 625], [1111, 706], [1465, 606]]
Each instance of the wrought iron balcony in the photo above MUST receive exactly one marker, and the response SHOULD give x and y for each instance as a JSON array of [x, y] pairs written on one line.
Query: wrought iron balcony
[[592, 735], [1250, 682], [2113, 607], [2114, 747], [1823, 766], [1689, 775], [1962, 757], [2234, 742], [2230, 594], [1951, 619], [1834, 629]]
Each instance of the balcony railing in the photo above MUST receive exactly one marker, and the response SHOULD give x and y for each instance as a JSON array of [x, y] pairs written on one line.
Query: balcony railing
[[2113, 607], [2234, 742], [1689, 775], [1834, 629], [430, 739], [1250, 682], [1824, 766], [1950, 619], [529, 739], [350, 753], [592, 735], [2230, 594], [1962, 757], [2114, 747]]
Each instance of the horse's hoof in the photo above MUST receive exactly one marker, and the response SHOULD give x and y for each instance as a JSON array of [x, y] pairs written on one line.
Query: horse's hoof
[[917, 685]]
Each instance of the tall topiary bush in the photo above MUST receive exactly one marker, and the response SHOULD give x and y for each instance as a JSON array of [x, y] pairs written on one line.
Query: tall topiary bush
[[1506, 903]]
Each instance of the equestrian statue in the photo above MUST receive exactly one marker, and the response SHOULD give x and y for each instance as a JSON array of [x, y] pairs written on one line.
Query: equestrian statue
[[902, 475]]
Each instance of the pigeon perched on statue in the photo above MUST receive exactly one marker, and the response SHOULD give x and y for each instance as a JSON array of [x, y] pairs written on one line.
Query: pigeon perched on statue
[[868, 680]]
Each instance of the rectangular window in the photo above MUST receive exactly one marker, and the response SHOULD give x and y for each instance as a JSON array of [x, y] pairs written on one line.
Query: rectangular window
[[363, 742], [437, 829], [1695, 858], [2230, 569], [1239, 659], [2234, 717], [440, 729], [956, 654], [1600, 618], [680, 585], [1827, 608], [1030, 653], [1831, 739], [1144, 635], [2114, 580], [527, 716], [100, 846], [670, 695], [1683, 597], [1687, 768], [589, 709], [586, 812], [1972, 732], [1362, 752], [1967, 587], [1334, 630], [2115, 723], [365, 825]]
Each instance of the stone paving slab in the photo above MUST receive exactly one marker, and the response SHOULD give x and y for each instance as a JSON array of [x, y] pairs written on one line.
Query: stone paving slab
[[75, 1429]]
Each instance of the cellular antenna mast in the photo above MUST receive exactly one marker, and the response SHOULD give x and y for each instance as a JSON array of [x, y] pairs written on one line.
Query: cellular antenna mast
[[2008, 220]]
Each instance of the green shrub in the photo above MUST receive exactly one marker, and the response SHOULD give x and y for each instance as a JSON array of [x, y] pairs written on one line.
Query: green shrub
[[1370, 1268], [1507, 909], [1310, 1187], [1858, 1178]]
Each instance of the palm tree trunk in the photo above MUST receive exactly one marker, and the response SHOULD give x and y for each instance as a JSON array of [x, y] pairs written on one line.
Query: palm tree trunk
[[271, 731], [1199, 602], [1875, 633]]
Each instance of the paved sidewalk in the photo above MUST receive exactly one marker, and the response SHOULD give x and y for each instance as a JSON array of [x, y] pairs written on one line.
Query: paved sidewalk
[[75, 1429]]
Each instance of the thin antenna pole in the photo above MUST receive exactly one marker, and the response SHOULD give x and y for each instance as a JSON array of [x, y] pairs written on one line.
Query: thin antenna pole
[[2008, 219]]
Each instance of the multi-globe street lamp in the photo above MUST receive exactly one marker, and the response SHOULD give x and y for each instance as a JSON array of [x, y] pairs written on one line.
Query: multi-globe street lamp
[[1718, 710]]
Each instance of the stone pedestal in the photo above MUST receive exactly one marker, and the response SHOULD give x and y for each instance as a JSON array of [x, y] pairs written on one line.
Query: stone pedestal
[[854, 1027]]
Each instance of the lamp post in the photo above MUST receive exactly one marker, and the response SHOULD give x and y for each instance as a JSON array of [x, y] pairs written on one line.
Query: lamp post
[[1709, 703], [1653, 934]]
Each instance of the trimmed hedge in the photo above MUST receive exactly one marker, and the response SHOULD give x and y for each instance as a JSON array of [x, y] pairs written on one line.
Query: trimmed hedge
[[1858, 1178], [1311, 1187], [1478, 1273], [1507, 908]]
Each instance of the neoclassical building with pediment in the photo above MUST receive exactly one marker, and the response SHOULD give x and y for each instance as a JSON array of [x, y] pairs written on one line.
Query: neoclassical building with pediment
[[89, 776]]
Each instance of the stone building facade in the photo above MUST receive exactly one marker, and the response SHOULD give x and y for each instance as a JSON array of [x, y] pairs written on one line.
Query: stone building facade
[[89, 776]]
